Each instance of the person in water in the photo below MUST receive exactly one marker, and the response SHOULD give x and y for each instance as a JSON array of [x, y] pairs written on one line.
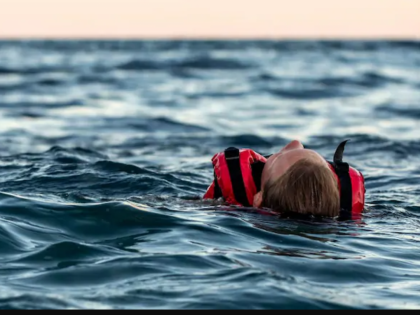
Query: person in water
[[293, 180]]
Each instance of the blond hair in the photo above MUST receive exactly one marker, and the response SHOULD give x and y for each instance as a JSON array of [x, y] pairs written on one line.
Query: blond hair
[[307, 187]]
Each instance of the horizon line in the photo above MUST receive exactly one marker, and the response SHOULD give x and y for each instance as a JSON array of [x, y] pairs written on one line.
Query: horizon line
[[214, 37]]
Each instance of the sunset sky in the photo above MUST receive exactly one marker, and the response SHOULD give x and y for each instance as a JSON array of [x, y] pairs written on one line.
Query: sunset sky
[[210, 18]]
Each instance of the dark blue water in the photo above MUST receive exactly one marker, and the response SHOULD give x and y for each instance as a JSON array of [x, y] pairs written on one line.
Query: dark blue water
[[105, 148]]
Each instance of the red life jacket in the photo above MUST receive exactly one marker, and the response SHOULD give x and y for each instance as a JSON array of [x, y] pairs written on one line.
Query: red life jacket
[[237, 178]]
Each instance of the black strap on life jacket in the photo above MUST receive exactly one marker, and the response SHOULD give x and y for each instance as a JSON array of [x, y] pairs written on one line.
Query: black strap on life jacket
[[257, 169], [235, 173], [217, 191], [342, 171]]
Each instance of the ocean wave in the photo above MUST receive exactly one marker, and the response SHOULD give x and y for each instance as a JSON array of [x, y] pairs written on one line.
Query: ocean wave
[[199, 63]]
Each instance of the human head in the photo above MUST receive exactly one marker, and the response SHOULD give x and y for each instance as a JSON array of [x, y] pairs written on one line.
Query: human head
[[298, 180]]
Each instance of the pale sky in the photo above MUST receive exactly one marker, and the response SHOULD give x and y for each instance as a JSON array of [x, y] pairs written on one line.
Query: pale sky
[[210, 18]]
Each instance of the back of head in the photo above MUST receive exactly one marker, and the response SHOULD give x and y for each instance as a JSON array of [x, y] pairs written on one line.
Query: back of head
[[308, 187]]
